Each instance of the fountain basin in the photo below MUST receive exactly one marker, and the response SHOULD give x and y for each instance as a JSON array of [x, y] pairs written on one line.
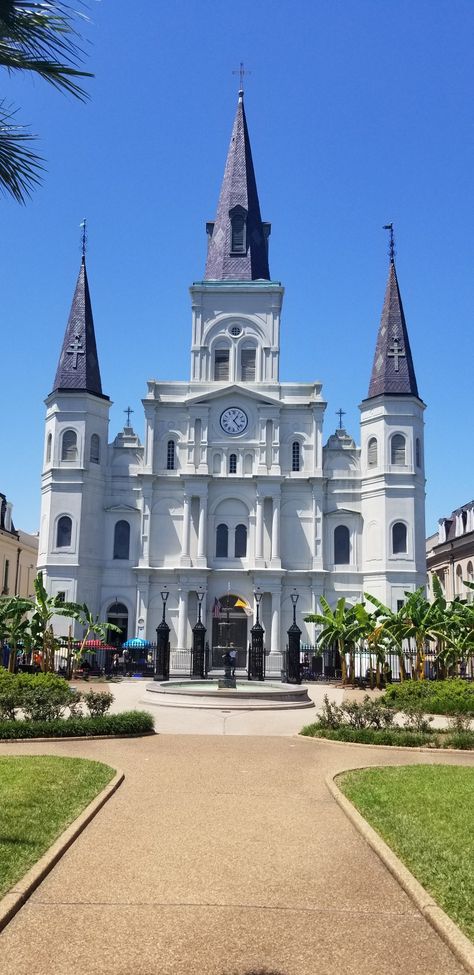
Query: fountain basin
[[248, 695]]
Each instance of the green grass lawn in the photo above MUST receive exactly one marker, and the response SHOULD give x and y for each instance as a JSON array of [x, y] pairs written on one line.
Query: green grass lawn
[[425, 813], [39, 797]]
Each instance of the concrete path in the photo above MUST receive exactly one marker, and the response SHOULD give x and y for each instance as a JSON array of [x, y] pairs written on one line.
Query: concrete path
[[222, 856]]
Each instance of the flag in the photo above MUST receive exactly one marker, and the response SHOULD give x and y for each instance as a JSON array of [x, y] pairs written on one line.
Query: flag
[[216, 609], [240, 602]]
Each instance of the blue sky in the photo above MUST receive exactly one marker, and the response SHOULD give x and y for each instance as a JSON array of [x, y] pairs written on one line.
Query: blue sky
[[360, 113]]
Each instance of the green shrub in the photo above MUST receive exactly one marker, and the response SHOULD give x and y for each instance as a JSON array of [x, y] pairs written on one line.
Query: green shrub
[[44, 697], [126, 723], [372, 736], [459, 739], [9, 695], [330, 715], [98, 702], [459, 723], [369, 713], [416, 720], [454, 696]]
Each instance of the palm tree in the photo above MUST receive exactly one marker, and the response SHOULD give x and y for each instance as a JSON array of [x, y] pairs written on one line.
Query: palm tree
[[80, 613], [387, 631], [14, 626], [40, 37], [342, 627]]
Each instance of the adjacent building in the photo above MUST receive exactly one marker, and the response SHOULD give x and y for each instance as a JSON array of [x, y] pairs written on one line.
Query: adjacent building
[[450, 553], [18, 555], [235, 487]]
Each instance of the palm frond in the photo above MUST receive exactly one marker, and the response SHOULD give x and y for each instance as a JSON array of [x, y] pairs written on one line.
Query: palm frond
[[20, 167]]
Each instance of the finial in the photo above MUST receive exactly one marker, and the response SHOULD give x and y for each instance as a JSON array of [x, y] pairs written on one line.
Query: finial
[[83, 240], [340, 414], [391, 248], [241, 72], [128, 411]]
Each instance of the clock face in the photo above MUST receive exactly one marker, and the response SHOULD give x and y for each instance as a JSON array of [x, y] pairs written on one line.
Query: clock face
[[234, 420]]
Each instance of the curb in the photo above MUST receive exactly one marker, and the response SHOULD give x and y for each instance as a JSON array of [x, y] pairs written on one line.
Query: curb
[[459, 944], [14, 899], [19, 741]]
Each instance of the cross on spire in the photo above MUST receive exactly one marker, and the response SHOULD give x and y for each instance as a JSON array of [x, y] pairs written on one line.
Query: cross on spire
[[128, 411], [396, 353], [391, 246], [75, 349], [340, 414], [83, 227], [241, 72]]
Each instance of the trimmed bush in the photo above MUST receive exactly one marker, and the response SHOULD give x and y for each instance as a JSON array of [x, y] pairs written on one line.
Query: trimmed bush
[[372, 736], [98, 702], [41, 697], [9, 695], [459, 739], [453, 696], [126, 723]]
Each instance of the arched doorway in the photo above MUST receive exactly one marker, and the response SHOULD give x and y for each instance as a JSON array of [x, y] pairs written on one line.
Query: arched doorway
[[117, 613], [230, 626]]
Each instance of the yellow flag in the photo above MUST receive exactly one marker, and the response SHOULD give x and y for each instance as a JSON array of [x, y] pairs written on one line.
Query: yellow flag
[[240, 602]]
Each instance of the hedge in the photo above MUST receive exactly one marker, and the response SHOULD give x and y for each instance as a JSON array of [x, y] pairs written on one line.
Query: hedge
[[392, 736], [126, 723], [453, 696]]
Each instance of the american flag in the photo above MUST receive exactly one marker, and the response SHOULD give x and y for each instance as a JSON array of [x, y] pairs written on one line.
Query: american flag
[[216, 609]]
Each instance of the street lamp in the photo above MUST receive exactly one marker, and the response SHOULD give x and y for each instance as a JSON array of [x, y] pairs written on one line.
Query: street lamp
[[164, 596], [294, 599], [258, 596], [256, 668], [200, 595]]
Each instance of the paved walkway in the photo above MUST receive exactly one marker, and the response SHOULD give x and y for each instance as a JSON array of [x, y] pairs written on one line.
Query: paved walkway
[[222, 856]]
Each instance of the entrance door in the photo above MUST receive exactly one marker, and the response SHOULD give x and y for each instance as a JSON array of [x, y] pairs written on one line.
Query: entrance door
[[229, 628]]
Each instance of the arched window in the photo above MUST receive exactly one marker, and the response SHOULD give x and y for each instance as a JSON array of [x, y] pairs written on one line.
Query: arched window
[[399, 538], [247, 365], [295, 456], [221, 365], [233, 464], [417, 452], [470, 578], [397, 454], [222, 541], [171, 455], [122, 540], [241, 542], [69, 445], [64, 532], [118, 615], [372, 452], [49, 444], [95, 449], [238, 230], [341, 545]]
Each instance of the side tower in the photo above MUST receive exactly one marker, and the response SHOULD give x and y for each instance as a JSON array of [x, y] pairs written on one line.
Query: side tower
[[236, 309], [75, 462], [392, 462]]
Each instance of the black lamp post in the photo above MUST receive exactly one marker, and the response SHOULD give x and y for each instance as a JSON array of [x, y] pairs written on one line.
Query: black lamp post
[[294, 639], [256, 668], [162, 656], [198, 663]]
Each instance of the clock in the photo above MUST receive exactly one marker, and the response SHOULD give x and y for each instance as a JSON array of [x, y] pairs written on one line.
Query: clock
[[234, 420]]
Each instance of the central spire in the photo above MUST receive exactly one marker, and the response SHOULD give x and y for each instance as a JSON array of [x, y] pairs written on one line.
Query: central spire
[[238, 240]]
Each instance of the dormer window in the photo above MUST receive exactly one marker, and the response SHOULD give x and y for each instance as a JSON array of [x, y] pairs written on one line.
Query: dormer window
[[238, 222]]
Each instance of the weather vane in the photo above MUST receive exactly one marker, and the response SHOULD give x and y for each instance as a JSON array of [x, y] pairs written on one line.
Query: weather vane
[[340, 414], [241, 72], [83, 227], [391, 248]]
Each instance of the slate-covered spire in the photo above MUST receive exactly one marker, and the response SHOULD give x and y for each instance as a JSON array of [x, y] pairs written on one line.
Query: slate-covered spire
[[78, 366], [238, 240], [392, 372]]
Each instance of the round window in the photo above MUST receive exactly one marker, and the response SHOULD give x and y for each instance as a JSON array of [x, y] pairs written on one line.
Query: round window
[[235, 330]]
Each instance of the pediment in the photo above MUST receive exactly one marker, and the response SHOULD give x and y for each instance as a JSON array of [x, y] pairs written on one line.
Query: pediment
[[120, 507], [234, 389]]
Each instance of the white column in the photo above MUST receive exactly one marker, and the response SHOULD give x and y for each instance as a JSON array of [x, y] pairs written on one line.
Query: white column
[[259, 531], [182, 618], [275, 632], [276, 530], [202, 528], [186, 525]]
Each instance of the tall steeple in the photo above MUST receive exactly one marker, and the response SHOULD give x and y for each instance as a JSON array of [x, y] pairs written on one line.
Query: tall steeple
[[238, 240], [393, 373], [78, 367]]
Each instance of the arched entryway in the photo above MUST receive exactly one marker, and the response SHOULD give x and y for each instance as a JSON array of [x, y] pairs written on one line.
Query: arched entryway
[[230, 625], [117, 614]]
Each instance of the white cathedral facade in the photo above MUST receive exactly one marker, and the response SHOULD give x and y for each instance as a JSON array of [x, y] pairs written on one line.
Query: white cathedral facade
[[234, 489]]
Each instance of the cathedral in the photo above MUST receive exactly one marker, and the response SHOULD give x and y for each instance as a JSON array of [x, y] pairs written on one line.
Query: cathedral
[[233, 491]]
